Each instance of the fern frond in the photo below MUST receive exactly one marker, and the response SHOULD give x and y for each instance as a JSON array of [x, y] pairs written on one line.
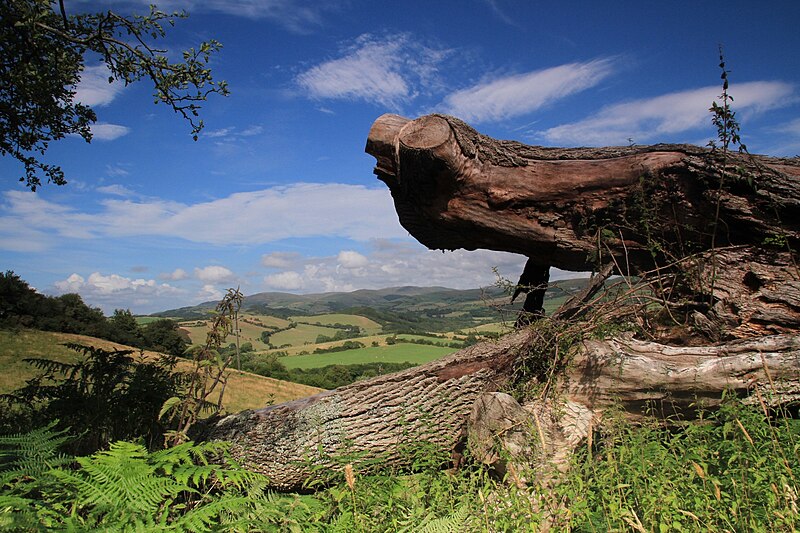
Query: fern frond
[[121, 478], [30, 455], [455, 522]]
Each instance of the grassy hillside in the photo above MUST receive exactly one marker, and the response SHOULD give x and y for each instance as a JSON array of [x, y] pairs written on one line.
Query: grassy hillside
[[244, 390]]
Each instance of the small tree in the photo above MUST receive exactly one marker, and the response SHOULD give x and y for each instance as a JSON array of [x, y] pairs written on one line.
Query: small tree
[[124, 328], [209, 375], [164, 336]]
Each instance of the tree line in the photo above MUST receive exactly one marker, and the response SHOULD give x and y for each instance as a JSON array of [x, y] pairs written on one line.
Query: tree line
[[21, 306]]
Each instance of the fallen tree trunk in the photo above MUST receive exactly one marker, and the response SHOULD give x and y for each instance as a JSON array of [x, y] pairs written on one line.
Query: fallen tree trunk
[[716, 300], [455, 188], [375, 418]]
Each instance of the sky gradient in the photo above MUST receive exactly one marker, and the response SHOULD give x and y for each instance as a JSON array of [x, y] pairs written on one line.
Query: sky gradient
[[278, 194]]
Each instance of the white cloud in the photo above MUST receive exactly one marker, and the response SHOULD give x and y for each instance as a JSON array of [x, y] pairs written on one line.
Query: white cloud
[[257, 217], [176, 275], [108, 132], [214, 274], [208, 292], [94, 90], [389, 71], [114, 291], [115, 190], [653, 118], [521, 94], [389, 263], [279, 259], [284, 281], [351, 259]]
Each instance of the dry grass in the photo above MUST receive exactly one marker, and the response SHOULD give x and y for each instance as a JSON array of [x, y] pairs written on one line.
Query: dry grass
[[244, 390]]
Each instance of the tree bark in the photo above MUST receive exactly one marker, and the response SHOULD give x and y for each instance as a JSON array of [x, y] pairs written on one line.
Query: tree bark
[[455, 188], [375, 418], [712, 234]]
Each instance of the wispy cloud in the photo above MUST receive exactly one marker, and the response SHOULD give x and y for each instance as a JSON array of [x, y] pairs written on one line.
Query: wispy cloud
[[231, 132], [500, 14], [249, 218], [520, 94], [116, 190], [669, 114], [299, 16], [108, 132], [94, 89], [388, 71], [116, 171]]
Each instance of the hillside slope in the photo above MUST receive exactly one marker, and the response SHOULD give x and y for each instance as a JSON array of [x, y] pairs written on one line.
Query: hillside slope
[[244, 390]]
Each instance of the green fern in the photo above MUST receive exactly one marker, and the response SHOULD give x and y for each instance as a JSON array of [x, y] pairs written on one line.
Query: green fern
[[190, 487], [457, 521], [29, 456]]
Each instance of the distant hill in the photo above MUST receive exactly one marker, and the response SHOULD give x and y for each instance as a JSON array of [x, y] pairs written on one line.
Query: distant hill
[[431, 301]]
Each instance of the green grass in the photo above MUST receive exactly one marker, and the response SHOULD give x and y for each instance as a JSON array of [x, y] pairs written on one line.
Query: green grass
[[397, 353], [369, 326], [144, 320], [18, 345], [301, 335]]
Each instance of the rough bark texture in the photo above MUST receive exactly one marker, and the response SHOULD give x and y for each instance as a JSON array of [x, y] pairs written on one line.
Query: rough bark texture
[[289, 442], [455, 188], [733, 299], [373, 417]]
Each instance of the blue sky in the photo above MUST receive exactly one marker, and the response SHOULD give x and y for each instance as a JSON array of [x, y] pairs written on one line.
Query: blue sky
[[278, 193]]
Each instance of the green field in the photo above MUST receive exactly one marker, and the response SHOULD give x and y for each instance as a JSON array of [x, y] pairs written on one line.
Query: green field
[[144, 320], [369, 326], [301, 335], [397, 353], [266, 321]]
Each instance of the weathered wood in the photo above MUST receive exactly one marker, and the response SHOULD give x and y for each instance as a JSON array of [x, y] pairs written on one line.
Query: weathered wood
[[455, 188], [373, 418]]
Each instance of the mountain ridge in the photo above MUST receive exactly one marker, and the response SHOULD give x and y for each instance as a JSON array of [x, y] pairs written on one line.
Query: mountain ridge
[[405, 298]]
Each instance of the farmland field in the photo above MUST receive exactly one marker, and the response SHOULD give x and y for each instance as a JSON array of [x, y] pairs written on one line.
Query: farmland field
[[301, 335], [369, 326], [397, 353]]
